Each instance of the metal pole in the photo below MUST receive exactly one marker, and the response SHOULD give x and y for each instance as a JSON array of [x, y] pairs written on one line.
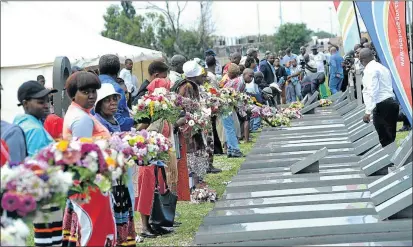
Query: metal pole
[[281, 15], [331, 22], [357, 18], [258, 17]]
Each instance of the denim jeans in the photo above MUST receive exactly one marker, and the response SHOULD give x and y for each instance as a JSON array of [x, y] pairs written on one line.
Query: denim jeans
[[255, 124], [230, 134], [335, 84]]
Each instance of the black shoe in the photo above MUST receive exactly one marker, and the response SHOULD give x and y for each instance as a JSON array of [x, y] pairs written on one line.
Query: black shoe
[[162, 230], [405, 128], [236, 154], [212, 169], [147, 234], [176, 223]]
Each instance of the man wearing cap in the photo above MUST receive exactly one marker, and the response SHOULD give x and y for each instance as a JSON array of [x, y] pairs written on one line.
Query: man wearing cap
[[321, 61], [289, 56], [218, 67], [34, 98], [175, 73]]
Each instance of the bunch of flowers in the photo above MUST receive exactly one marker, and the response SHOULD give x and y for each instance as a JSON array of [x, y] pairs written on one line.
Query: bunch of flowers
[[278, 120], [211, 98], [184, 103], [244, 103], [146, 148], [27, 187], [83, 157], [267, 111], [291, 113], [198, 121], [203, 194], [296, 105], [14, 232], [255, 111], [325, 102], [159, 105]]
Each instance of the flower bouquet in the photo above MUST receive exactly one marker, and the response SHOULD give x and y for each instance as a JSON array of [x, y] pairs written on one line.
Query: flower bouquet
[[157, 106], [203, 194], [291, 113], [84, 158], [296, 105], [27, 187], [325, 102], [267, 111], [278, 120], [14, 232], [146, 148], [218, 104], [199, 121]]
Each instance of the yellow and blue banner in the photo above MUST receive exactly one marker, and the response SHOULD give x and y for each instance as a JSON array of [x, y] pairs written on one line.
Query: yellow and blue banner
[[386, 24]]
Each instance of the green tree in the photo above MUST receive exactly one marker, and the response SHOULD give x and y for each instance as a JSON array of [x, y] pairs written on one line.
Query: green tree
[[291, 35], [323, 34]]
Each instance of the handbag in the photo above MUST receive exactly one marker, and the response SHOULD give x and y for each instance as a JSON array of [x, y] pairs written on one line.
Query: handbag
[[164, 205]]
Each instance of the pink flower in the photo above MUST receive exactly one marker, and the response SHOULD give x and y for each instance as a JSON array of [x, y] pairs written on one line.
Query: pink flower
[[71, 157], [10, 202], [27, 205]]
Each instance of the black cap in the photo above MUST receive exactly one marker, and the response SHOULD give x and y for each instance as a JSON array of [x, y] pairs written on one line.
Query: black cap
[[32, 90]]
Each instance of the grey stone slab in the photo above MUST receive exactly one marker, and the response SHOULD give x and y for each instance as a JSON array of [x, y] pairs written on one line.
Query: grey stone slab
[[341, 104], [301, 191], [309, 109], [335, 96], [285, 175], [318, 122], [288, 134], [309, 164], [297, 140], [61, 71], [397, 174], [297, 228], [341, 98], [297, 154], [348, 108], [358, 114], [404, 153], [377, 160], [312, 98], [354, 239], [304, 101], [391, 190], [315, 145], [305, 129], [295, 183], [361, 132], [233, 216], [384, 243], [371, 151], [343, 197], [395, 204], [366, 143]]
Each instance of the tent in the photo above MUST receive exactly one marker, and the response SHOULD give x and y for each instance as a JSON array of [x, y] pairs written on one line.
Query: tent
[[33, 36]]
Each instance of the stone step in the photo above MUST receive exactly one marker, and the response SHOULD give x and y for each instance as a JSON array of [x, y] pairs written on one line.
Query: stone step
[[354, 165], [234, 216], [299, 229], [298, 154], [321, 198], [300, 191]]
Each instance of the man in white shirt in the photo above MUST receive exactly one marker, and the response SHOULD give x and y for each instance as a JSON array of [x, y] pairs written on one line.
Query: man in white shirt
[[289, 56], [130, 79], [379, 97]]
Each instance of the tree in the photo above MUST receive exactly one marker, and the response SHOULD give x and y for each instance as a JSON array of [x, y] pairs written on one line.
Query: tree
[[323, 34], [291, 35]]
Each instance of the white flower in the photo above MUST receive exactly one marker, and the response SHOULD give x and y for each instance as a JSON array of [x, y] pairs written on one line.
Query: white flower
[[157, 104], [117, 173], [103, 144], [229, 100], [191, 123], [159, 91], [93, 154], [120, 159], [58, 155], [93, 166], [140, 102], [164, 106], [75, 146], [147, 101]]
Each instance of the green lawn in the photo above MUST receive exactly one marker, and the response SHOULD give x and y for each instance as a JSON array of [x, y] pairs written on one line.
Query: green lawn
[[400, 135]]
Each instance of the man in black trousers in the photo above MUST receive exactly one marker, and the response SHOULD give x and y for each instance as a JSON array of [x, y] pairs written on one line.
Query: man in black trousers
[[379, 97]]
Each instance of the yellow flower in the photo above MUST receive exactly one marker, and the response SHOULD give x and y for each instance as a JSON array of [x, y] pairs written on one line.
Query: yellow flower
[[111, 162], [62, 145], [85, 140], [151, 108], [140, 139]]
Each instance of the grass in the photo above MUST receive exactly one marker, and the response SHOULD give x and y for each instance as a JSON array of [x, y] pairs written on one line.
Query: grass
[[400, 135], [191, 215]]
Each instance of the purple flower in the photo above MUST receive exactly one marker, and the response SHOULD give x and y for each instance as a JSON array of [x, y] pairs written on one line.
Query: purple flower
[[44, 177], [145, 134], [10, 202], [11, 185], [27, 205]]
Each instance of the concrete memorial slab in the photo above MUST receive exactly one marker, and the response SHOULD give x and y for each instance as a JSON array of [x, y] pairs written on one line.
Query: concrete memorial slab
[[395, 175], [304, 101], [297, 154], [341, 104], [348, 108], [309, 164], [295, 183], [366, 143], [341, 98], [378, 161], [335, 96], [304, 129], [309, 109], [232, 216], [61, 71], [361, 131], [397, 207], [391, 190], [357, 114], [373, 150], [404, 153], [382, 243], [301, 191], [312, 98], [298, 229]]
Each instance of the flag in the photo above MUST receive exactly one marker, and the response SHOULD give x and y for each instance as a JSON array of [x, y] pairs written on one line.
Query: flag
[[386, 24], [349, 28]]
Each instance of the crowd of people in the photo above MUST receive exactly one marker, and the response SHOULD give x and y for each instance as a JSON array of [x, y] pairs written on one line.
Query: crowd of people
[[102, 103]]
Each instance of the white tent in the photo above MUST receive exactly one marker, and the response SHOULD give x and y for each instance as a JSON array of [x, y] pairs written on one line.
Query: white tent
[[33, 36]]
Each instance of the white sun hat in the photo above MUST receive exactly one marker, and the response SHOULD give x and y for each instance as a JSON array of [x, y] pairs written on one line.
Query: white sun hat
[[192, 69], [105, 90]]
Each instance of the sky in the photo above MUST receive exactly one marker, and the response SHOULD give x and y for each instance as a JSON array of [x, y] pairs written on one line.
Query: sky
[[232, 18]]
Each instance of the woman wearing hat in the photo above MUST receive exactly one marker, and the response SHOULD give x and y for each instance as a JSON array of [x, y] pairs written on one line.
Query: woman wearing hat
[[105, 108]]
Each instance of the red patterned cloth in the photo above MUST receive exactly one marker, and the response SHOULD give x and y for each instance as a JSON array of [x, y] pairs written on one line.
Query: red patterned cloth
[[4, 149]]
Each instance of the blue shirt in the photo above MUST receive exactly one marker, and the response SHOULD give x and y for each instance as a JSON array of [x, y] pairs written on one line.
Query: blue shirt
[[14, 137], [35, 134], [287, 58], [335, 66], [110, 126], [122, 115]]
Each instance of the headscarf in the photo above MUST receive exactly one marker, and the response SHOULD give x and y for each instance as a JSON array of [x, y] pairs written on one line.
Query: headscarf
[[54, 126], [159, 83]]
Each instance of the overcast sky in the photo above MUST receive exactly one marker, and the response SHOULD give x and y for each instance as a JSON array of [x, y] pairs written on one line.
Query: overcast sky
[[232, 18]]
